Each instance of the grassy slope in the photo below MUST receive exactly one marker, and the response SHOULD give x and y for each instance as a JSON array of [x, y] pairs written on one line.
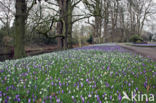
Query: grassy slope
[[80, 74]]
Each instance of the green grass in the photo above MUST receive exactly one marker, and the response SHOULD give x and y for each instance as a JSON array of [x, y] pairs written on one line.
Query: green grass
[[76, 76]]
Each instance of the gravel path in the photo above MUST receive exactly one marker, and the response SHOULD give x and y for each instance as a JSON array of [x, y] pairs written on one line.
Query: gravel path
[[149, 52]]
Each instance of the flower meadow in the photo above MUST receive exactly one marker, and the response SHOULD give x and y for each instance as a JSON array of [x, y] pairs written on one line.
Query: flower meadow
[[92, 74]]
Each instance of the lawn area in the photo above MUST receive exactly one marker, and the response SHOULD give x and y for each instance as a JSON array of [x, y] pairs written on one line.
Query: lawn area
[[99, 73]]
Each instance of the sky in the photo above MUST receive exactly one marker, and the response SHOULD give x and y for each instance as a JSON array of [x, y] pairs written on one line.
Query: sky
[[148, 25]]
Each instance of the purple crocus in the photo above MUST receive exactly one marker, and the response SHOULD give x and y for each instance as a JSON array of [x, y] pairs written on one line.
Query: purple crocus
[[81, 85], [50, 97], [108, 68], [18, 99], [29, 100], [111, 97], [17, 96], [107, 84], [52, 83], [120, 97], [62, 91], [7, 88], [98, 98], [58, 100], [0, 93], [82, 98], [145, 84], [72, 97]]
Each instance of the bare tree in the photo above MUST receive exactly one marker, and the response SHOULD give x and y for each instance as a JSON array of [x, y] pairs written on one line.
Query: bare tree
[[139, 11], [106, 15], [64, 26], [6, 14], [21, 15], [95, 7]]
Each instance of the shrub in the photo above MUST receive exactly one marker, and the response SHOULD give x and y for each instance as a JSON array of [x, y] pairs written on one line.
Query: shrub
[[154, 38], [136, 39], [2, 35], [90, 40], [74, 41]]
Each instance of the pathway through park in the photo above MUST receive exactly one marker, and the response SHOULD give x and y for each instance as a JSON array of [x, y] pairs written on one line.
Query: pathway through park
[[149, 52]]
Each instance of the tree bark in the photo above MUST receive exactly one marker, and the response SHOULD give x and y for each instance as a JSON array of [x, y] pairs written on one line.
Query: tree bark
[[97, 29], [69, 23], [98, 21], [59, 31], [60, 24], [20, 19], [65, 25]]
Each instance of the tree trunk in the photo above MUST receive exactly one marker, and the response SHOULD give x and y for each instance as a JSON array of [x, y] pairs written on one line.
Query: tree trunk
[[69, 17], [65, 27], [98, 22], [105, 31], [61, 24], [59, 32], [20, 19]]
